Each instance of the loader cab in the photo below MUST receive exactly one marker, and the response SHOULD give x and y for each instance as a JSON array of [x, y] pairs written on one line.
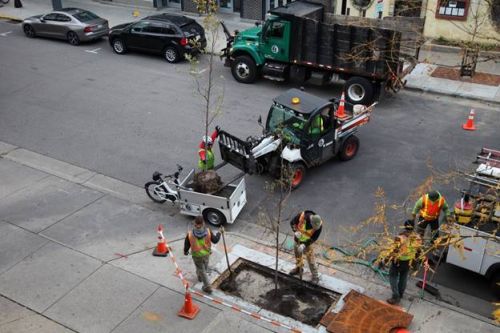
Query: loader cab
[[275, 39], [306, 121]]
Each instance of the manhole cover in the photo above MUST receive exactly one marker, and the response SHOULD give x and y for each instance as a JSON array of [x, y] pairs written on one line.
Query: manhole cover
[[296, 299]]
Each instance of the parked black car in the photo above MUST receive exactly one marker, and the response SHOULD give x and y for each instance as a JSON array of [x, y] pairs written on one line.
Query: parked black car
[[171, 35]]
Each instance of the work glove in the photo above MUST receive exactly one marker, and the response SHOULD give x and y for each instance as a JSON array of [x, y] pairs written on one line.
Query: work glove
[[186, 253], [301, 248], [217, 128], [297, 234]]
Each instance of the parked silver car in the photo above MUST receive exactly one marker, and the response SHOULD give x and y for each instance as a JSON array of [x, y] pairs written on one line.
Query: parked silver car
[[73, 24]]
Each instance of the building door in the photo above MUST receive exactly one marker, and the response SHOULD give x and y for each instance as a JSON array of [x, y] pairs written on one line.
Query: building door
[[226, 5], [174, 3]]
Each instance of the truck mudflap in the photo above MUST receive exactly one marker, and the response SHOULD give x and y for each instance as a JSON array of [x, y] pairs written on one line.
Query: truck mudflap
[[237, 152]]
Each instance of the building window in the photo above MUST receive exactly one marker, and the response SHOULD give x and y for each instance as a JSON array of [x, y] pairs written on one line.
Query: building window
[[452, 9]]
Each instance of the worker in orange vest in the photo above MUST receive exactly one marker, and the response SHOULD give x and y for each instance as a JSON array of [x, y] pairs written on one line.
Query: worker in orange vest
[[429, 208], [200, 240], [307, 227]]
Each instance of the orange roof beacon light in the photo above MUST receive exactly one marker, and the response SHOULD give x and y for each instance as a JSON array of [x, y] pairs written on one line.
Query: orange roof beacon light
[[295, 100]]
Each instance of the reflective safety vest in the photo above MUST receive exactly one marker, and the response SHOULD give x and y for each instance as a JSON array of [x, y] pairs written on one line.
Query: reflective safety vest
[[409, 246], [200, 247], [209, 159], [430, 209], [306, 234], [316, 125]]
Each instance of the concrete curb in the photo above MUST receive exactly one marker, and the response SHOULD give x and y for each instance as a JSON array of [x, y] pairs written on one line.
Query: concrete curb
[[469, 97], [452, 49], [12, 18]]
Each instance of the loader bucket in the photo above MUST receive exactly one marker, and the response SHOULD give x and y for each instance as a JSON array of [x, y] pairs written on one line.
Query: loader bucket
[[236, 152]]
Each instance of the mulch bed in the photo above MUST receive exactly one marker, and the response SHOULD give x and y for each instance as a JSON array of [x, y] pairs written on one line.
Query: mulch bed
[[454, 74]]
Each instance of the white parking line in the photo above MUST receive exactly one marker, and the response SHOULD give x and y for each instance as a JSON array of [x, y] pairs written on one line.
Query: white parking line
[[4, 34], [93, 51]]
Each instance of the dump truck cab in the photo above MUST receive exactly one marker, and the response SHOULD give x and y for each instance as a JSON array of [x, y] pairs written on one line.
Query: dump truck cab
[[275, 39]]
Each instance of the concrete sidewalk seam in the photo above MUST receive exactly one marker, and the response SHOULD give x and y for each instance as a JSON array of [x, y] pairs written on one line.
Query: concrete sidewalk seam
[[38, 313], [428, 91]]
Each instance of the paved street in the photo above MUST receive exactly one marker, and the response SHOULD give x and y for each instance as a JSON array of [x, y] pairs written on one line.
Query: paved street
[[126, 116]]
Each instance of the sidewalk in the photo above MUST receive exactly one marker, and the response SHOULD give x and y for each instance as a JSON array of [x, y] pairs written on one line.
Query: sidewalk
[[75, 256], [419, 79]]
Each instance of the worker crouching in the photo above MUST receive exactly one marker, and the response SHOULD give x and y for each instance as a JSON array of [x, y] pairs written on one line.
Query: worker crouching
[[307, 227], [200, 240]]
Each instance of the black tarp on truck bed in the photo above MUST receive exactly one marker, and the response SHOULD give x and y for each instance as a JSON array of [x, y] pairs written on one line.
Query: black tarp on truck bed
[[354, 49]]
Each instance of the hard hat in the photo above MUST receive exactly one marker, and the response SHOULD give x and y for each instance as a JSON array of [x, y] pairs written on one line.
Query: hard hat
[[316, 221], [207, 140], [433, 195]]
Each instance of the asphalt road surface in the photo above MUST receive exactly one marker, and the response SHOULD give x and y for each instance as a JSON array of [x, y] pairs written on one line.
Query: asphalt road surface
[[128, 115]]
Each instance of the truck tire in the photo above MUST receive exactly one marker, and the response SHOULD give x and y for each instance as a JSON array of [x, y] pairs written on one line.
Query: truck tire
[[214, 217], [298, 171], [359, 90], [349, 148], [495, 283], [244, 69]]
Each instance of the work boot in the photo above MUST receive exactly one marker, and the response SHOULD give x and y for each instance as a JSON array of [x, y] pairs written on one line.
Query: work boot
[[315, 279], [207, 289], [393, 301], [296, 271]]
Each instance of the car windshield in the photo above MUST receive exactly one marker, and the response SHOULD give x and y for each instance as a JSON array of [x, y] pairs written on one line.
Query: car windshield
[[286, 120], [85, 16]]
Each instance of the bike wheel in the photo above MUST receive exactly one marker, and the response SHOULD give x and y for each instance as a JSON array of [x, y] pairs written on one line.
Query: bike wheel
[[150, 188]]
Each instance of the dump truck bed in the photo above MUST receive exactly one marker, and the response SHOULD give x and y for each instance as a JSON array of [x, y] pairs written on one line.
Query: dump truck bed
[[352, 49]]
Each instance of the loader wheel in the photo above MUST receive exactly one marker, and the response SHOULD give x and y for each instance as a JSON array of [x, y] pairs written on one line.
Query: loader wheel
[[359, 90], [214, 217], [349, 148], [244, 69], [298, 171]]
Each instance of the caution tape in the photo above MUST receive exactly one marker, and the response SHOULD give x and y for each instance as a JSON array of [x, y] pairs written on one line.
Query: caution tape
[[221, 302]]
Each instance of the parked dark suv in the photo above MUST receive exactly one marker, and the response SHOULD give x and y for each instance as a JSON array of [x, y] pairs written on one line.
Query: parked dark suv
[[171, 35]]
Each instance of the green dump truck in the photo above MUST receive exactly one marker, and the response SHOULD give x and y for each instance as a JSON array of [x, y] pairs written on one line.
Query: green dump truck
[[294, 44]]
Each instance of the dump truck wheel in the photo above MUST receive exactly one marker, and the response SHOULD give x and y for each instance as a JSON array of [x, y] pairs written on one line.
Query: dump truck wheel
[[244, 69], [298, 171], [349, 148], [359, 90], [214, 217]]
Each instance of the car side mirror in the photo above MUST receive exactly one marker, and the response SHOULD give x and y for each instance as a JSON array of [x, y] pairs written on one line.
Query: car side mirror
[[42, 20]]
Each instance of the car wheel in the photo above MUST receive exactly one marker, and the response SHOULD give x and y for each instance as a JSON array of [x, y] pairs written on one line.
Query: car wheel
[[298, 172], [119, 46], [349, 148], [29, 31], [171, 54], [214, 217], [244, 69], [73, 38], [359, 90]]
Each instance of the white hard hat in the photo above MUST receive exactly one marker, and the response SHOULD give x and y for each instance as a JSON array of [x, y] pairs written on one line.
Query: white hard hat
[[207, 140]]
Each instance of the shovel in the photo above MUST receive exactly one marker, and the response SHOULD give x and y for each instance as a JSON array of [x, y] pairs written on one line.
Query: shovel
[[225, 250]]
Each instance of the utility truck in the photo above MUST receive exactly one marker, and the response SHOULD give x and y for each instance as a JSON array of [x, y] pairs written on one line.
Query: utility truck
[[478, 222], [295, 44], [301, 131]]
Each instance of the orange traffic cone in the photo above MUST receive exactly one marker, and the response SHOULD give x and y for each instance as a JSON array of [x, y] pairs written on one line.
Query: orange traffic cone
[[469, 125], [341, 109], [161, 249], [189, 310]]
